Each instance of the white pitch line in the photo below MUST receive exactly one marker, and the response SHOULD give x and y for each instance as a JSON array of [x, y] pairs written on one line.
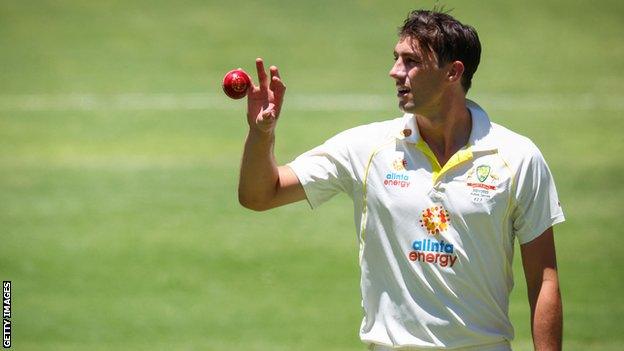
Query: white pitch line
[[294, 102]]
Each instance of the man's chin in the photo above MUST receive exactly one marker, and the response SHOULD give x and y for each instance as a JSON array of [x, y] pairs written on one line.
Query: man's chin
[[406, 107]]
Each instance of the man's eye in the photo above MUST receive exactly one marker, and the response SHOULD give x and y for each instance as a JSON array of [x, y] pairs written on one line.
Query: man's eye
[[410, 61]]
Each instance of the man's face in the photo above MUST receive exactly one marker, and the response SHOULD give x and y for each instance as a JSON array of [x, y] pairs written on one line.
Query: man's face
[[419, 81]]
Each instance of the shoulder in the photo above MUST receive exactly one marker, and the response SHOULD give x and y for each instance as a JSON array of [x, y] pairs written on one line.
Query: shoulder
[[512, 146], [376, 130], [528, 166], [368, 136], [516, 148]]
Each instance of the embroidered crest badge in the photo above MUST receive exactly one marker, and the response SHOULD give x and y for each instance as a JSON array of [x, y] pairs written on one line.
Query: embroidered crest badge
[[483, 172]]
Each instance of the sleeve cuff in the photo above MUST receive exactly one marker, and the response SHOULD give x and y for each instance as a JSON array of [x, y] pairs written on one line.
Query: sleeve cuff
[[541, 229], [304, 184]]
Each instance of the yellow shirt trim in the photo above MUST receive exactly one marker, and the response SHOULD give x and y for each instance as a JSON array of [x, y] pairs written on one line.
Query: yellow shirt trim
[[365, 191], [460, 156]]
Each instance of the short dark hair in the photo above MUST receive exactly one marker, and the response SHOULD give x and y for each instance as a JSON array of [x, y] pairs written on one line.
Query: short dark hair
[[450, 40]]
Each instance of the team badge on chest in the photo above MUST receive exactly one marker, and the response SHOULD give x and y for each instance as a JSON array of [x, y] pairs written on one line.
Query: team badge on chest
[[482, 182], [483, 172]]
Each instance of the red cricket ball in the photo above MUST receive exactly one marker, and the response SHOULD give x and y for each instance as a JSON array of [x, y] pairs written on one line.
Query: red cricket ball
[[235, 83]]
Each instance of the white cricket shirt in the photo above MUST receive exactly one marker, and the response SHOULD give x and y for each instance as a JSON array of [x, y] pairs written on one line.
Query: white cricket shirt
[[436, 243]]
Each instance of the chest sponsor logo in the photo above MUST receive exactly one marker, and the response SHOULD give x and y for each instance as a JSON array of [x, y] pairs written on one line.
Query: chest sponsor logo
[[400, 164], [435, 252], [435, 220], [397, 177]]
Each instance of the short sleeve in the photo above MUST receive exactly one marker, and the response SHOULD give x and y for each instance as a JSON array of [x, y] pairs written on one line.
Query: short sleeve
[[325, 170], [537, 203]]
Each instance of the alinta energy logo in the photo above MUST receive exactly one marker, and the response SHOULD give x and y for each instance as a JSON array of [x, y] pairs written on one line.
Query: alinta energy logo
[[398, 177], [400, 164], [435, 220]]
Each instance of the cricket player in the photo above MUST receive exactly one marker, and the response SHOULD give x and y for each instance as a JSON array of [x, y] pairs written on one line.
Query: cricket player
[[440, 196]]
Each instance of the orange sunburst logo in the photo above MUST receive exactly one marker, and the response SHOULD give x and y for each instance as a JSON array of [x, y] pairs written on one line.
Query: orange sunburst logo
[[400, 164], [435, 220]]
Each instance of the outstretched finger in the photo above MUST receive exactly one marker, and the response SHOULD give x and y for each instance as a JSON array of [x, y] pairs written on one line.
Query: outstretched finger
[[279, 89], [262, 76], [274, 72], [276, 85]]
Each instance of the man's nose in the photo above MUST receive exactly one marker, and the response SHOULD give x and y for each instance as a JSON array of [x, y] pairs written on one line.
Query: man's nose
[[397, 71]]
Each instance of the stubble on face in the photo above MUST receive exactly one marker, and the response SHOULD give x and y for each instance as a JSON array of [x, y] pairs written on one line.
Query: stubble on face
[[417, 77]]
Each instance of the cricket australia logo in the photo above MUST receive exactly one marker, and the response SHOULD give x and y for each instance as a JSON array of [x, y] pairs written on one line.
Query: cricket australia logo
[[435, 220], [483, 185], [483, 172]]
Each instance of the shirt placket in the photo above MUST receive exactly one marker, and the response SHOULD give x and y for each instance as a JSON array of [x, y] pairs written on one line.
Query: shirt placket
[[438, 172]]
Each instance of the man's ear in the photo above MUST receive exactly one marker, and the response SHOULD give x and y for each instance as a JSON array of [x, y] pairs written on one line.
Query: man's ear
[[455, 71]]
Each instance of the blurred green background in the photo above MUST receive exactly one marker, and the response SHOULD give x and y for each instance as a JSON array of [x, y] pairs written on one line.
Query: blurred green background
[[119, 155]]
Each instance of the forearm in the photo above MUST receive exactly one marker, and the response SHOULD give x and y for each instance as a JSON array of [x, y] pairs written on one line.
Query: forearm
[[259, 172], [262, 184], [546, 316]]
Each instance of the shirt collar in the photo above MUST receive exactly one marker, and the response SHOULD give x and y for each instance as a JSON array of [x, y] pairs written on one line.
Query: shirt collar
[[478, 140]]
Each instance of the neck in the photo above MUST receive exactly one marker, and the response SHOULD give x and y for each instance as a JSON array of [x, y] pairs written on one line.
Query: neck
[[446, 129]]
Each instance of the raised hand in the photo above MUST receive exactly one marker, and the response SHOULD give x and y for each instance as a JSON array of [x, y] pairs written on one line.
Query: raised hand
[[264, 101]]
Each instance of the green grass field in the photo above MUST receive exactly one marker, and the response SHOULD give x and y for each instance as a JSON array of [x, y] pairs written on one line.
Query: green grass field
[[119, 221]]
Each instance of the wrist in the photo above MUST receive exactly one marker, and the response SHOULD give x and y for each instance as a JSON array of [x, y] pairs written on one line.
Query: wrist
[[260, 135]]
